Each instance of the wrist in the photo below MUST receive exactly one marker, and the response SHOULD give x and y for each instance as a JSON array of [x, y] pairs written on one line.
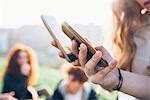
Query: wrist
[[119, 81], [116, 80]]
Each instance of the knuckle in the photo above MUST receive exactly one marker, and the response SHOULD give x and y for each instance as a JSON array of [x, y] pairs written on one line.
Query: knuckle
[[102, 72], [93, 79], [87, 70], [111, 68], [94, 59], [101, 46]]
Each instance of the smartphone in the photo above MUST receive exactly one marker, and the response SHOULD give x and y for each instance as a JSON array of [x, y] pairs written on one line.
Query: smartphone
[[52, 26], [72, 34]]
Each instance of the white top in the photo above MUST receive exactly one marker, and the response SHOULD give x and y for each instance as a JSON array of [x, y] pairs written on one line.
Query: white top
[[82, 94], [76, 96]]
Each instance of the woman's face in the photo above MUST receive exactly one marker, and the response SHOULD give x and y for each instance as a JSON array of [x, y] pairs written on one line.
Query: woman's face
[[23, 58], [144, 3]]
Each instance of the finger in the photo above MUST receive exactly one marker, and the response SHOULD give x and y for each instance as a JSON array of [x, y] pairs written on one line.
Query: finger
[[109, 68], [12, 93], [98, 46], [99, 76], [74, 47], [53, 43], [61, 55], [76, 63], [106, 54], [11, 98], [91, 64], [83, 54]]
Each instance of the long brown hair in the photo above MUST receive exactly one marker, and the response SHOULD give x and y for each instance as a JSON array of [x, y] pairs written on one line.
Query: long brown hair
[[13, 68], [127, 19]]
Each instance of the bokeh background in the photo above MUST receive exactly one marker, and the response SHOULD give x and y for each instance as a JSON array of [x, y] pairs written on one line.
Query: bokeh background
[[20, 23]]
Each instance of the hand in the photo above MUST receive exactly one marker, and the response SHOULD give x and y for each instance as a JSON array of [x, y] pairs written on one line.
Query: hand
[[53, 43], [25, 69], [75, 52], [108, 77], [7, 96]]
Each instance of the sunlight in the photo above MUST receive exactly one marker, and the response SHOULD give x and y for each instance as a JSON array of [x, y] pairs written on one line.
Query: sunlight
[[27, 12]]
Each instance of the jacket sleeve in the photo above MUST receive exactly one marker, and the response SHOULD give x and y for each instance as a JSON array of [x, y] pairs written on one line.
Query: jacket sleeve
[[57, 95], [93, 95], [18, 86]]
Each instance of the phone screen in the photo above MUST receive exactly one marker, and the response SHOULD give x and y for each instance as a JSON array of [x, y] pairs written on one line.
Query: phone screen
[[56, 29]]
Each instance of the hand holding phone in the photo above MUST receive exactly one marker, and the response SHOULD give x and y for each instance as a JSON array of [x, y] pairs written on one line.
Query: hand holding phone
[[53, 27], [73, 35], [94, 65]]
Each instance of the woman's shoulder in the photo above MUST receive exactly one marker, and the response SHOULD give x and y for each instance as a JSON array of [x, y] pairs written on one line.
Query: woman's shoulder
[[9, 77]]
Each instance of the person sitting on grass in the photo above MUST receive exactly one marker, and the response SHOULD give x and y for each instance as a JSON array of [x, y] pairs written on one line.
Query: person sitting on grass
[[21, 72], [74, 87]]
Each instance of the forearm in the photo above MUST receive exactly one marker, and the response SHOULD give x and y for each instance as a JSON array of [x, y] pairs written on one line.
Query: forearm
[[136, 85]]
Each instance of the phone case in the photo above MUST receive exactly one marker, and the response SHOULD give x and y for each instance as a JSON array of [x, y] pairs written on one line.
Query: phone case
[[69, 56], [72, 34]]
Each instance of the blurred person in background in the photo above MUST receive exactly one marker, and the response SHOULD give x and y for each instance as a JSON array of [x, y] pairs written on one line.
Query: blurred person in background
[[74, 87], [131, 46], [21, 72]]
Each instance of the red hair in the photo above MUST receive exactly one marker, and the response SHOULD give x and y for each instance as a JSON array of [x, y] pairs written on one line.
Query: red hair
[[11, 62]]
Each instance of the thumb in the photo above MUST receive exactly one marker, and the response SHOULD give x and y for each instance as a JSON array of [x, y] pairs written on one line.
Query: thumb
[[112, 64], [12, 93]]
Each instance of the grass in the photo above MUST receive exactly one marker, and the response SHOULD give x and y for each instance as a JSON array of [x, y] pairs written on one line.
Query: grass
[[2, 61], [49, 78]]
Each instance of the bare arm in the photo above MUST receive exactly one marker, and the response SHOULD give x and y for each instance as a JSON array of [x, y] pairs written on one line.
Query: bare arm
[[136, 85], [133, 84]]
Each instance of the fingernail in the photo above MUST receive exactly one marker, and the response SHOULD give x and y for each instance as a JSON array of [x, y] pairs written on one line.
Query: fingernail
[[82, 46], [74, 41], [113, 62], [98, 54]]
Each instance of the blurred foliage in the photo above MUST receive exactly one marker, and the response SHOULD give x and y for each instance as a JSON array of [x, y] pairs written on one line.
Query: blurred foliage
[[49, 77]]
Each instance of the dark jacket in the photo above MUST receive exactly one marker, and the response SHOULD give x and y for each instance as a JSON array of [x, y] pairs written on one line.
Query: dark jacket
[[19, 86], [58, 95]]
